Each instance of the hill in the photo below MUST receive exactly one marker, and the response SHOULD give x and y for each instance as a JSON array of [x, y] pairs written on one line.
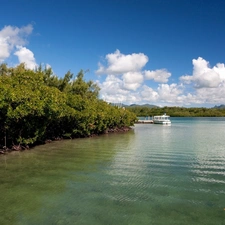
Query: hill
[[219, 107], [145, 105]]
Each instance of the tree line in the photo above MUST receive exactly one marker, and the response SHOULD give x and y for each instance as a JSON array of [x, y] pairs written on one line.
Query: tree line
[[36, 105], [177, 111]]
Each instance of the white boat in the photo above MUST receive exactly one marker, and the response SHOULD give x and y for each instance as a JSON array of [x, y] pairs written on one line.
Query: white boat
[[163, 119]]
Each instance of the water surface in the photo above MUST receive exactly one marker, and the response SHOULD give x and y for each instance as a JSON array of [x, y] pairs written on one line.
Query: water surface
[[153, 174]]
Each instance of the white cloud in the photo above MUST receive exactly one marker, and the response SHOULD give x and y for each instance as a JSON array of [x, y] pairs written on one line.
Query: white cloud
[[203, 76], [160, 76], [16, 36], [132, 80], [118, 63], [4, 49], [220, 69], [112, 89], [165, 94], [26, 56], [112, 85], [170, 93], [12, 37], [125, 82], [149, 95], [125, 77], [212, 95], [209, 83], [48, 66]]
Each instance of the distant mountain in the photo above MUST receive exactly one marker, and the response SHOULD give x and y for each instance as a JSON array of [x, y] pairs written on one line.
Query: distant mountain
[[118, 104], [134, 105], [219, 107], [145, 105]]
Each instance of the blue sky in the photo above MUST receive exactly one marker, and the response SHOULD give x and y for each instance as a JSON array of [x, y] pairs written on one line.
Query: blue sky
[[162, 52]]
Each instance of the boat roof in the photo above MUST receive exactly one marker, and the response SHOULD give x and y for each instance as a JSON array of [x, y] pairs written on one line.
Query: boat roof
[[162, 116]]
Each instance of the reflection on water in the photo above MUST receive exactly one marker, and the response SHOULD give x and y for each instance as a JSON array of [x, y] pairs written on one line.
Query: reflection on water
[[151, 175]]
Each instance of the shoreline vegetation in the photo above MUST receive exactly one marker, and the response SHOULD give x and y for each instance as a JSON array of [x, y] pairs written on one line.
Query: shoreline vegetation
[[19, 147], [37, 107], [143, 111]]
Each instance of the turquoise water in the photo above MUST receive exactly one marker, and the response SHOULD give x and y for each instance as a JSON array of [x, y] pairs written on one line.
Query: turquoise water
[[153, 174]]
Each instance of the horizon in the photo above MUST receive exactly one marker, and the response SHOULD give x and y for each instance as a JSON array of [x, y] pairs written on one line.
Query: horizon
[[117, 104], [158, 52]]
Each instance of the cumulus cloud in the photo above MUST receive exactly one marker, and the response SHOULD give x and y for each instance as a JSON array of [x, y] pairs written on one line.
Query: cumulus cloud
[[208, 83], [203, 76], [26, 56], [4, 49], [12, 41], [170, 93], [165, 93], [125, 76], [15, 35], [112, 89], [48, 66], [208, 95], [132, 80], [125, 82], [126, 67], [118, 63], [112, 84], [149, 95], [160, 76]]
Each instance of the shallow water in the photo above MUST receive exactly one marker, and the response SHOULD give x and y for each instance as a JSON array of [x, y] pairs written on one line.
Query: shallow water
[[153, 174]]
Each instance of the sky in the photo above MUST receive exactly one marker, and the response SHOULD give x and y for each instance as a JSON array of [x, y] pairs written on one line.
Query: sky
[[160, 52]]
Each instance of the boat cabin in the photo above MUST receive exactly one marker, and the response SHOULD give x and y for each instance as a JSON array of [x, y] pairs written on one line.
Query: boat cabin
[[163, 119]]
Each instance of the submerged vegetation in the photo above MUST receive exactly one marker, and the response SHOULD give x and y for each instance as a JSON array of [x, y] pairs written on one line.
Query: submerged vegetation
[[36, 106], [178, 111]]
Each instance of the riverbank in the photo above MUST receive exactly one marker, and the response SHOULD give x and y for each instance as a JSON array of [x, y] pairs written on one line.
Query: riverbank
[[5, 150]]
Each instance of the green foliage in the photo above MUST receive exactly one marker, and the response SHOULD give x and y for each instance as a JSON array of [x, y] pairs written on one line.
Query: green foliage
[[178, 111], [37, 105]]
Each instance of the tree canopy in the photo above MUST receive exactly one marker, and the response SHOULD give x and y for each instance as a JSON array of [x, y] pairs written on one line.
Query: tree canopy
[[177, 111], [37, 105]]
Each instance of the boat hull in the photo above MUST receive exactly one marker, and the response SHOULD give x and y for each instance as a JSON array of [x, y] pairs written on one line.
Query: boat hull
[[162, 122], [163, 119]]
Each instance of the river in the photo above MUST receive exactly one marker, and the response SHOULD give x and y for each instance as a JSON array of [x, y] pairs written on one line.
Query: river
[[153, 174]]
